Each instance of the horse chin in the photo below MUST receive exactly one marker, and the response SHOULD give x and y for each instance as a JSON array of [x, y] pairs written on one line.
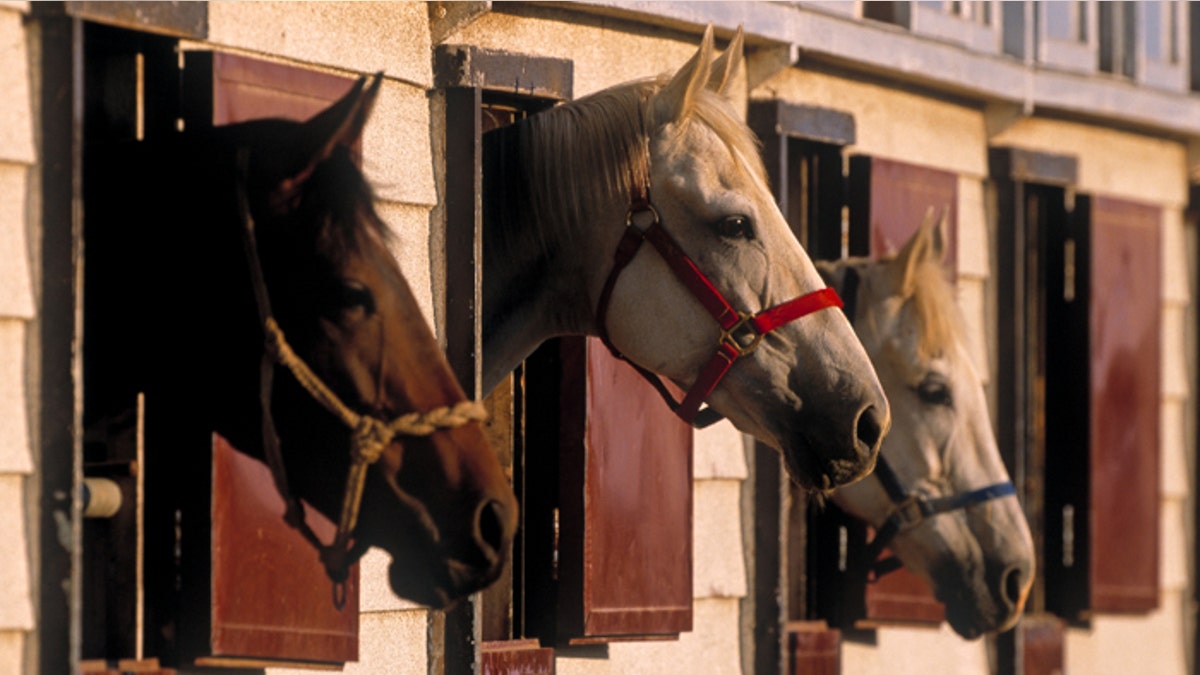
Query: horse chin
[[439, 584], [812, 471], [971, 609]]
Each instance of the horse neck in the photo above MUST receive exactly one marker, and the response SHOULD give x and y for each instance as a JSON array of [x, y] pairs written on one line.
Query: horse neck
[[537, 269]]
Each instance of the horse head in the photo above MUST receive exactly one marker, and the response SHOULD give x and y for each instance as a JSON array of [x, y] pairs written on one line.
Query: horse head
[[436, 499], [669, 160], [964, 531], [175, 276]]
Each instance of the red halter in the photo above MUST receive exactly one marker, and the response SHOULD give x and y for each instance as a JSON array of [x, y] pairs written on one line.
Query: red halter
[[741, 332]]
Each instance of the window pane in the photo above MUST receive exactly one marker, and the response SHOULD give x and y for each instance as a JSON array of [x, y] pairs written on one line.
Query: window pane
[[1058, 19], [1012, 16], [1152, 30], [1129, 38]]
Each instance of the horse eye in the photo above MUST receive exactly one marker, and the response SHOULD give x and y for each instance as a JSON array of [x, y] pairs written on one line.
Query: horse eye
[[935, 391], [355, 295], [736, 227]]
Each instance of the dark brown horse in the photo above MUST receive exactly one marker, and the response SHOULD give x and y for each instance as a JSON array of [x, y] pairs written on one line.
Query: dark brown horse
[[172, 311]]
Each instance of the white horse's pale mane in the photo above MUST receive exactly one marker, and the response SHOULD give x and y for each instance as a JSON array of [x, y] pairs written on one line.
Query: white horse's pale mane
[[585, 154], [934, 308]]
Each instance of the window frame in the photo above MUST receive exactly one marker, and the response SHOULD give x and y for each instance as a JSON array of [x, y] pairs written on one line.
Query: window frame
[[968, 31], [800, 143], [1070, 54]]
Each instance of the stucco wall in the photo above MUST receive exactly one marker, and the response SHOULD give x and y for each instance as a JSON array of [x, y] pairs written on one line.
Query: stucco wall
[[17, 162]]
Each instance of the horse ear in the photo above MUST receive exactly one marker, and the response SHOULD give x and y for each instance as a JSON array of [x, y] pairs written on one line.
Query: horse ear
[[339, 125], [919, 248], [940, 247], [676, 99], [729, 74]]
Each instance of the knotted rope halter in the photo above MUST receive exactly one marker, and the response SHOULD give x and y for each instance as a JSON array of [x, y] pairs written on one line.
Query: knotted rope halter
[[909, 509], [369, 435], [741, 332]]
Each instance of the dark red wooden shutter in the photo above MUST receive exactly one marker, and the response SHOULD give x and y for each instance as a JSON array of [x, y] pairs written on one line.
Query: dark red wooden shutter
[[515, 657], [814, 648], [1125, 356], [270, 596], [626, 527], [888, 201], [1042, 643]]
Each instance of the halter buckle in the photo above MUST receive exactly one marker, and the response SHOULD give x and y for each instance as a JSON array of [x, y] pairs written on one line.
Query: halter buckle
[[743, 336], [909, 513]]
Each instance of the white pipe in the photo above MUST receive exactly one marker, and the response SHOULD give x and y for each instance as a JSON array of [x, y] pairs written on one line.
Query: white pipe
[[101, 498]]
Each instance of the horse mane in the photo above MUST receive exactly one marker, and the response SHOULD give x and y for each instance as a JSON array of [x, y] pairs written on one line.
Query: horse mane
[[572, 161], [935, 308]]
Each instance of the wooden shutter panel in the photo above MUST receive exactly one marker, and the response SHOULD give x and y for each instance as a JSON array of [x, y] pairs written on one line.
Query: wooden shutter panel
[[636, 499], [1125, 358], [814, 648], [1042, 645], [888, 201], [270, 597], [623, 466]]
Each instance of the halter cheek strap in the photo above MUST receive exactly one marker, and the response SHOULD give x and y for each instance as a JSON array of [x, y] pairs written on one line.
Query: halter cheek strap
[[741, 332]]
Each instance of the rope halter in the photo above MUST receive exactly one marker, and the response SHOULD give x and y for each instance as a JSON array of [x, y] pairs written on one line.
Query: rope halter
[[369, 435]]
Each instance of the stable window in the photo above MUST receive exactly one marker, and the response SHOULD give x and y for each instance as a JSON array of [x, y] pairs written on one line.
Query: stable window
[[1066, 35], [1078, 393], [969, 24], [803, 154], [207, 571], [888, 200], [1144, 41]]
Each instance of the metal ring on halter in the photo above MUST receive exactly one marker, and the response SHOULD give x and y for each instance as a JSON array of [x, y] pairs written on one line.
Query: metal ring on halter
[[642, 208]]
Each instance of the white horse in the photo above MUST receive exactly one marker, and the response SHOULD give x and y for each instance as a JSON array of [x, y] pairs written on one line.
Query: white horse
[[711, 303], [940, 497]]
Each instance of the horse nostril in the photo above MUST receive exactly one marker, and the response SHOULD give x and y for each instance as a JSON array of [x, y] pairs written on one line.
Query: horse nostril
[[869, 428], [489, 528], [1012, 584]]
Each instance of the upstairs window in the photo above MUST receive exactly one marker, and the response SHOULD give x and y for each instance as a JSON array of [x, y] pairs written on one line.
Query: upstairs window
[[1066, 34]]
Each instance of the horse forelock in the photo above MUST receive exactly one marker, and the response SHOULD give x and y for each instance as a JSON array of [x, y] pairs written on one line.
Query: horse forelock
[[336, 214], [934, 309]]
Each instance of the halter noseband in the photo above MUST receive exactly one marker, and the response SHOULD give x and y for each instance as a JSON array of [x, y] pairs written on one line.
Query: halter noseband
[[741, 332], [369, 435], [909, 509]]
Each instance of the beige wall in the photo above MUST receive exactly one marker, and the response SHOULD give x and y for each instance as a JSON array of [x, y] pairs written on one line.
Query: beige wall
[[17, 164]]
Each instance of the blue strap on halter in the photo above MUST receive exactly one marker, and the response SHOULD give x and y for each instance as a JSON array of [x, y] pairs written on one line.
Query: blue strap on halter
[[912, 510]]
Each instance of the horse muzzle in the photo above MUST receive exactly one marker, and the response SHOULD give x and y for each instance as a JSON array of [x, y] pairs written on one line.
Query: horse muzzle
[[977, 606], [829, 451]]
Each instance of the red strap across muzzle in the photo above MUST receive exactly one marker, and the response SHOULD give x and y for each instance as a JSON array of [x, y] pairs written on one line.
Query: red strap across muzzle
[[741, 332]]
